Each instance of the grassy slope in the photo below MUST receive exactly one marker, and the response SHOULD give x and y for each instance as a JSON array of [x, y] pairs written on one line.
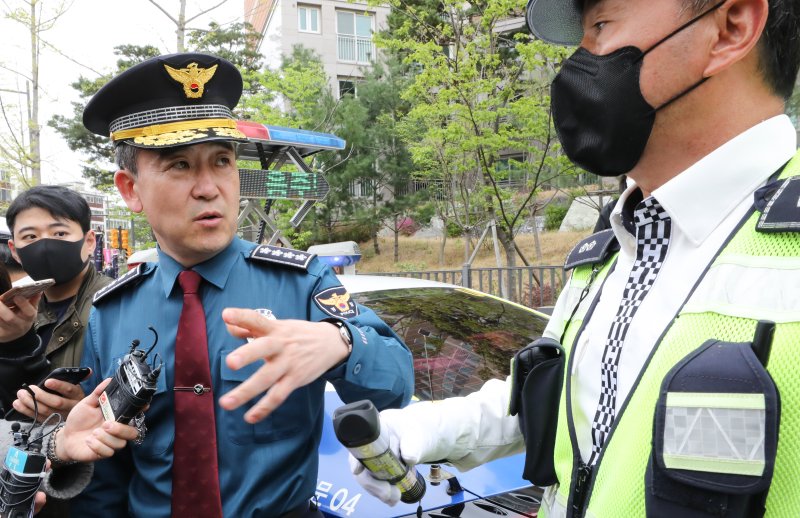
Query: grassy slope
[[423, 254]]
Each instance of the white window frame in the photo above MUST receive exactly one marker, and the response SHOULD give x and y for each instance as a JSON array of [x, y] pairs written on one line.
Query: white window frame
[[358, 41], [308, 10]]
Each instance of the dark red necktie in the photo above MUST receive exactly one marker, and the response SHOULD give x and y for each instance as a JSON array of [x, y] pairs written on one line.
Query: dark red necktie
[[195, 474]]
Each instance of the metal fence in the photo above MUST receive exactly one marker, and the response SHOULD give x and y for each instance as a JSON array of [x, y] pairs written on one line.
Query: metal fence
[[532, 286]]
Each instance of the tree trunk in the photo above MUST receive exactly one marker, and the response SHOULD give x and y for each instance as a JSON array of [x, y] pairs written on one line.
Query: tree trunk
[[442, 248], [396, 242], [510, 249], [375, 244], [33, 119], [180, 28]]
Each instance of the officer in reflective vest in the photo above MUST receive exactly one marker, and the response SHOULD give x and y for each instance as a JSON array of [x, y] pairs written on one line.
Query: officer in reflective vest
[[664, 384]]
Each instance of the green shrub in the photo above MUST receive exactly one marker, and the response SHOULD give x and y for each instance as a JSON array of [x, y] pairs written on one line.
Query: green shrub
[[553, 216], [411, 266]]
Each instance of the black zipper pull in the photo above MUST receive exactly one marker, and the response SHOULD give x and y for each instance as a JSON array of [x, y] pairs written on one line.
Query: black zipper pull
[[582, 478]]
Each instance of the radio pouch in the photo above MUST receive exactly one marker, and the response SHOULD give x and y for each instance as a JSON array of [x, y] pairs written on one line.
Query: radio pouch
[[715, 435], [537, 373]]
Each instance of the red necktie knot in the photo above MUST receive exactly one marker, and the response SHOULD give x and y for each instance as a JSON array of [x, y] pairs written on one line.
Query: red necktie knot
[[189, 281]]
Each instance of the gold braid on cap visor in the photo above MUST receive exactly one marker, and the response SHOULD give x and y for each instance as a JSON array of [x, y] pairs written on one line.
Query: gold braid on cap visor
[[158, 129]]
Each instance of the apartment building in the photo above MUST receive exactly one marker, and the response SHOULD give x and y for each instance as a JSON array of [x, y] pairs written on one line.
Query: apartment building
[[339, 31]]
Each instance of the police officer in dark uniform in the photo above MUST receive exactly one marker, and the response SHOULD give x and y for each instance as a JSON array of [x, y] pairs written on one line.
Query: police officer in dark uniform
[[214, 443]]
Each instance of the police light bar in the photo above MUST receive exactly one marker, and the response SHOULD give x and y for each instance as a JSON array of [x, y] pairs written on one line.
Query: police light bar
[[344, 253], [339, 260], [306, 142]]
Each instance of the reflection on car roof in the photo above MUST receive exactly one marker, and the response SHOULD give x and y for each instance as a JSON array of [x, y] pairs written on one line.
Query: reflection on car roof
[[373, 283], [362, 283]]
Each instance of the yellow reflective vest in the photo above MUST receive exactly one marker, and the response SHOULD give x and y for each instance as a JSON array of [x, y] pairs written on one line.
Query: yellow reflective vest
[[744, 284]]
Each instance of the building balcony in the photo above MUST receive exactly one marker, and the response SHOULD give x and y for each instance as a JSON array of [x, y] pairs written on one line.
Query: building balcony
[[355, 49]]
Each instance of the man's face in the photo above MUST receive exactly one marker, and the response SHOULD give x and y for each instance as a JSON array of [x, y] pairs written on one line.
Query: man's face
[[190, 196], [671, 67], [35, 223]]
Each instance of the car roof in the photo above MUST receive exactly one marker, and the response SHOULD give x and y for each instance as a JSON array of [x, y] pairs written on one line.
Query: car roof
[[370, 283], [364, 283]]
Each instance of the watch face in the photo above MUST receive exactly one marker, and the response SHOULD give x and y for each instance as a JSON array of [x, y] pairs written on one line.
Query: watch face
[[345, 334]]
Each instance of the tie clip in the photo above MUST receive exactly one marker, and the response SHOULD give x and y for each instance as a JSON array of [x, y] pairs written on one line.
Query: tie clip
[[198, 389]]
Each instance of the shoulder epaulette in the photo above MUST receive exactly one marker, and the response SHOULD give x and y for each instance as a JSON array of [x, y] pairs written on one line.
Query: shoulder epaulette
[[782, 212], [594, 249], [283, 256], [129, 279]]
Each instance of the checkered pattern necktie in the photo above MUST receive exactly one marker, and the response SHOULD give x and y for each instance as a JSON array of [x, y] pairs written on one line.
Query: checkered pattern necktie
[[653, 228], [195, 475]]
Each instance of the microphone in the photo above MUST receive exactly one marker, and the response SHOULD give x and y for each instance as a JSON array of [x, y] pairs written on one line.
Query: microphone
[[358, 427]]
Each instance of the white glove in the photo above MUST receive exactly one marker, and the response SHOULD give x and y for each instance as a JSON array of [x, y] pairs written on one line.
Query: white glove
[[408, 441]]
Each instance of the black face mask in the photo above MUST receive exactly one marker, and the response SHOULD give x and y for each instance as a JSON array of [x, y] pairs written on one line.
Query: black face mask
[[600, 115], [52, 259]]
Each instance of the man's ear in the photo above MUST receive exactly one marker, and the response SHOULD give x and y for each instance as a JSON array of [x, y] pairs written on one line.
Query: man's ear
[[126, 185], [91, 241], [740, 25], [13, 251]]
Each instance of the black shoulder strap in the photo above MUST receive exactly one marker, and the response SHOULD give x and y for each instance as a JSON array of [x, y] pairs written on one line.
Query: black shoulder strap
[[592, 250], [782, 210], [282, 256], [130, 279]]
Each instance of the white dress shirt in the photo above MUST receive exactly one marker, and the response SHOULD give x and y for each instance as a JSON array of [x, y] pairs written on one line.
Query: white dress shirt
[[705, 202]]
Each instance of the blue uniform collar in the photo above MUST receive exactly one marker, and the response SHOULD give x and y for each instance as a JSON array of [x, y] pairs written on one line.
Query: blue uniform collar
[[215, 271]]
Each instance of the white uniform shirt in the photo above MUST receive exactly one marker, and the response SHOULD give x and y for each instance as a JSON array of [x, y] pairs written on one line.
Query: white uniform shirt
[[705, 202]]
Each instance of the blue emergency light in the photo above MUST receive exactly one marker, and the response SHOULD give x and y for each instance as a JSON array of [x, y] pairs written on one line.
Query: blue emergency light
[[340, 260]]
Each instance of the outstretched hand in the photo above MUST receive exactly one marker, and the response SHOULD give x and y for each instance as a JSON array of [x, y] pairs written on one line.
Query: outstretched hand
[[296, 352]]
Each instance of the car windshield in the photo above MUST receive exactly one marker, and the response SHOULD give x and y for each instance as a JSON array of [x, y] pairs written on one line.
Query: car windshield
[[459, 338]]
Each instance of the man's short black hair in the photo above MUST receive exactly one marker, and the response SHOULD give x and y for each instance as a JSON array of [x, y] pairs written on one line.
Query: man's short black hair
[[779, 48], [60, 202], [125, 157]]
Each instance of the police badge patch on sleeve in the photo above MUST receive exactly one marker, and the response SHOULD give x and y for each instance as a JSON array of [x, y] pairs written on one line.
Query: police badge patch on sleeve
[[336, 302]]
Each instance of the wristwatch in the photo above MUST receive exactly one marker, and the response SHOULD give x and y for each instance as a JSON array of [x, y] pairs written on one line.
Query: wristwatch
[[343, 332]]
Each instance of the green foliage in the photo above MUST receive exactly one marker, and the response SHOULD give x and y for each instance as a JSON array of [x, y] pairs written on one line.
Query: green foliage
[[477, 91], [376, 161], [554, 214], [295, 95], [409, 266]]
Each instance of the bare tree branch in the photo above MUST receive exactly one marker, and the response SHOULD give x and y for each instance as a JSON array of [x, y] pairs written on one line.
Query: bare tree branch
[[57, 51], [163, 11], [201, 13]]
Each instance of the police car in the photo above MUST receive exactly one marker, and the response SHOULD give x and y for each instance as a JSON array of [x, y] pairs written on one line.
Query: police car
[[459, 338]]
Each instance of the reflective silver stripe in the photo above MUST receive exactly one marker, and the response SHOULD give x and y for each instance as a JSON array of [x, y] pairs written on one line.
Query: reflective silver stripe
[[716, 432]]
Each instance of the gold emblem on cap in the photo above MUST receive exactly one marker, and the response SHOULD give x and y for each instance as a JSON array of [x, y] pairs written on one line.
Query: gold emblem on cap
[[193, 78]]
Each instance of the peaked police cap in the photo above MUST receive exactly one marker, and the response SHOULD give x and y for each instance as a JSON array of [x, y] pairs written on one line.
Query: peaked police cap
[[555, 21], [170, 100]]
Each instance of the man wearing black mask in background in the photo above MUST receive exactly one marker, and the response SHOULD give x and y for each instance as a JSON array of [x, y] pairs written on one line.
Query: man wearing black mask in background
[[52, 239]]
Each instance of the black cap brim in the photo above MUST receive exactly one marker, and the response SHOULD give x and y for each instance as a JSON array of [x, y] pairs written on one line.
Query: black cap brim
[[555, 21]]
